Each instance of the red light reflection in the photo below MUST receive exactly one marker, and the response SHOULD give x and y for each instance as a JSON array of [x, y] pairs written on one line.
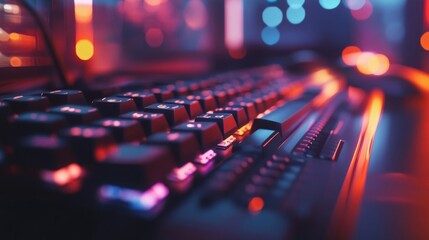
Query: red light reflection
[[418, 78], [64, 175], [350, 55], [256, 204], [350, 198]]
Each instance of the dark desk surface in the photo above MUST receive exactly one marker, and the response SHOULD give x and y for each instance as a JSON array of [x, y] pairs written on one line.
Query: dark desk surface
[[395, 199]]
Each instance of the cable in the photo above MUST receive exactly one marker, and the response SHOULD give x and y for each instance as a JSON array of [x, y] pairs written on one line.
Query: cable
[[48, 41]]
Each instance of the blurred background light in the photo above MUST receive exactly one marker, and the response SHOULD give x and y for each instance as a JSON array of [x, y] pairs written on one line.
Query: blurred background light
[[329, 4], [350, 55], [363, 12], [270, 35], [370, 63], [424, 41], [234, 26], [84, 49], [272, 16], [295, 15], [355, 4], [195, 15], [154, 37]]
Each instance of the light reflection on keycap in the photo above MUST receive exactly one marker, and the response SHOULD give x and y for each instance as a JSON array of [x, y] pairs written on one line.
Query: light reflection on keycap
[[206, 157], [63, 175], [194, 125], [109, 123], [70, 109], [184, 172], [87, 132], [173, 136], [144, 200]]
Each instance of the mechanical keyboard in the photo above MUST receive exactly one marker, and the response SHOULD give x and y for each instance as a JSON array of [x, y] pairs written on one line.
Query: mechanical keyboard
[[257, 153]]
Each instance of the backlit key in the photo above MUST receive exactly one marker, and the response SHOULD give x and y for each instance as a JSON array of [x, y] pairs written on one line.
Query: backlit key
[[193, 107], [184, 146], [90, 143], [207, 101], [151, 122], [21, 104], [142, 99], [248, 107], [162, 93], [175, 113], [238, 112], [114, 106], [61, 97], [135, 166], [207, 133], [76, 114], [225, 122], [38, 122], [124, 130]]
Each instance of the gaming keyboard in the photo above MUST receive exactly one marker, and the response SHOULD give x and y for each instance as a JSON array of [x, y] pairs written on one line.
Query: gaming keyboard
[[258, 153]]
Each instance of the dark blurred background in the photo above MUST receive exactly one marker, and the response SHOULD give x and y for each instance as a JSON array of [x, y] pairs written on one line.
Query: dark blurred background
[[141, 37]]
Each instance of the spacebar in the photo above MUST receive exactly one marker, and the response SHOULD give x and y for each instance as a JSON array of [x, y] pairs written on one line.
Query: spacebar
[[285, 118]]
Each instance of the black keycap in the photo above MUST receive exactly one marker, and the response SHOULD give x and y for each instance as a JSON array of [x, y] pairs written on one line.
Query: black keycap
[[193, 107], [208, 102], [229, 90], [332, 148], [243, 87], [256, 101], [43, 152], [226, 177], [179, 90], [61, 97], [248, 107], [135, 166], [21, 104], [225, 121], [151, 122], [162, 93], [260, 142], [91, 144], [114, 106], [76, 114], [285, 118], [174, 113], [38, 122], [238, 112], [124, 130], [142, 99], [184, 146], [269, 98], [221, 97], [207, 133]]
